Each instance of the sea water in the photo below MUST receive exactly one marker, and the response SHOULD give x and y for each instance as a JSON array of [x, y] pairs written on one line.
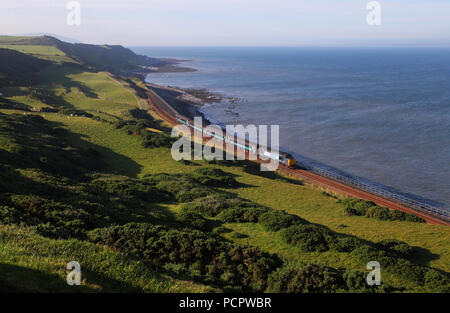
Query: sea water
[[379, 114]]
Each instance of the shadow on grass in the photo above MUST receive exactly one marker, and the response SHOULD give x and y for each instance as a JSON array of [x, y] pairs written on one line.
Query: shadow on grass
[[113, 162], [13, 105], [422, 256], [419, 256], [60, 75], [254, 168], [35, 142], [20, 279]]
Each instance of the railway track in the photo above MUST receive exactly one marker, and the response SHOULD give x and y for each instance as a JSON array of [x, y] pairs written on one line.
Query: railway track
[[163, 109]]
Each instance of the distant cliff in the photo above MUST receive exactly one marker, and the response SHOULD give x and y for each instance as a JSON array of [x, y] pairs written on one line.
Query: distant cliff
[[112, 58]]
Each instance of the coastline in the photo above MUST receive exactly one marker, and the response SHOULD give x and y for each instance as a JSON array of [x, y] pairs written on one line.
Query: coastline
[[189, 105], [169, 65], [174, 98], [187, 101]]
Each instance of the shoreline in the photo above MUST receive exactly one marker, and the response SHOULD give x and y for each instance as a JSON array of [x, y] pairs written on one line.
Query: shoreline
[[172, 97], [170, 65], [191, 107]]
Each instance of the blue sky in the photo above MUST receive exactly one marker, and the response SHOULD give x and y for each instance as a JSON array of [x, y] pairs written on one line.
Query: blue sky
[[235, 22]]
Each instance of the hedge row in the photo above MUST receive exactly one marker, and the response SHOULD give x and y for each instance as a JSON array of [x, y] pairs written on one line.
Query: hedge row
[[226, 209], [210, 259], [369, 209], [275, 220], [431, 279], [312, 237]]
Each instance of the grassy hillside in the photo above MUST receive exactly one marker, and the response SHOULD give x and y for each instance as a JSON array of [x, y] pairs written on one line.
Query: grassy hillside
[[115, 59], [92, 180], [19, 69]]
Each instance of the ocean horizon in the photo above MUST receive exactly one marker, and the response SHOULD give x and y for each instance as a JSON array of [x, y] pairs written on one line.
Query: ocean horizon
[[381, 115]]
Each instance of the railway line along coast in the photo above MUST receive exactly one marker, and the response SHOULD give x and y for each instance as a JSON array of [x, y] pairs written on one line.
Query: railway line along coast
[[328, 181]]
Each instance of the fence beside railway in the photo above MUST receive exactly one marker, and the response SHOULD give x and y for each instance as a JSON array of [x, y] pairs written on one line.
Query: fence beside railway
[[417, 205]]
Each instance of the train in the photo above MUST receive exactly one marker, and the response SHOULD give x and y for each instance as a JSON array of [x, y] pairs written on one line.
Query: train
[[283, 158]]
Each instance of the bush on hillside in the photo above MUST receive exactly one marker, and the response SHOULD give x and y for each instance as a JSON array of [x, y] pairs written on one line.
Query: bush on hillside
[[181, 188], [356, 282], [305, 278], [402, 268], [308, 237], [275, 220], [193, 220], [214, 204], [398, 247], [344, 243], [214, 177], [241, 215], [140, 128], [130, 188], [356, 206], [196, 254], [153, 140], [436, 281], [369, 209]]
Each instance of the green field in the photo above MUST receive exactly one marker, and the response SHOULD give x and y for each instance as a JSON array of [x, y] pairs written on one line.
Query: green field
[[49, 53], [108, 98]]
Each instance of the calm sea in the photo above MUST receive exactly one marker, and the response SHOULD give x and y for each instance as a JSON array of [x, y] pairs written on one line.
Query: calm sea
[[379, 114]]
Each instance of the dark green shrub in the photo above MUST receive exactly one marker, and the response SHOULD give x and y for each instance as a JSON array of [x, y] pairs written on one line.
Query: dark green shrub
[[412, 218], [390, 263], [303, 278], [398, 247], [275, 220], [370, 209], [182, 189], [355, 206], [214, 177], [379, 213], [436, 281], [131, 188], [51, 218], [214, 259], [344, 244], [214, 204], [154, 140], [308, 237], [11, 216], [356, 282], [140, 127], [241, 215], [193, 220], [209, 206]]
